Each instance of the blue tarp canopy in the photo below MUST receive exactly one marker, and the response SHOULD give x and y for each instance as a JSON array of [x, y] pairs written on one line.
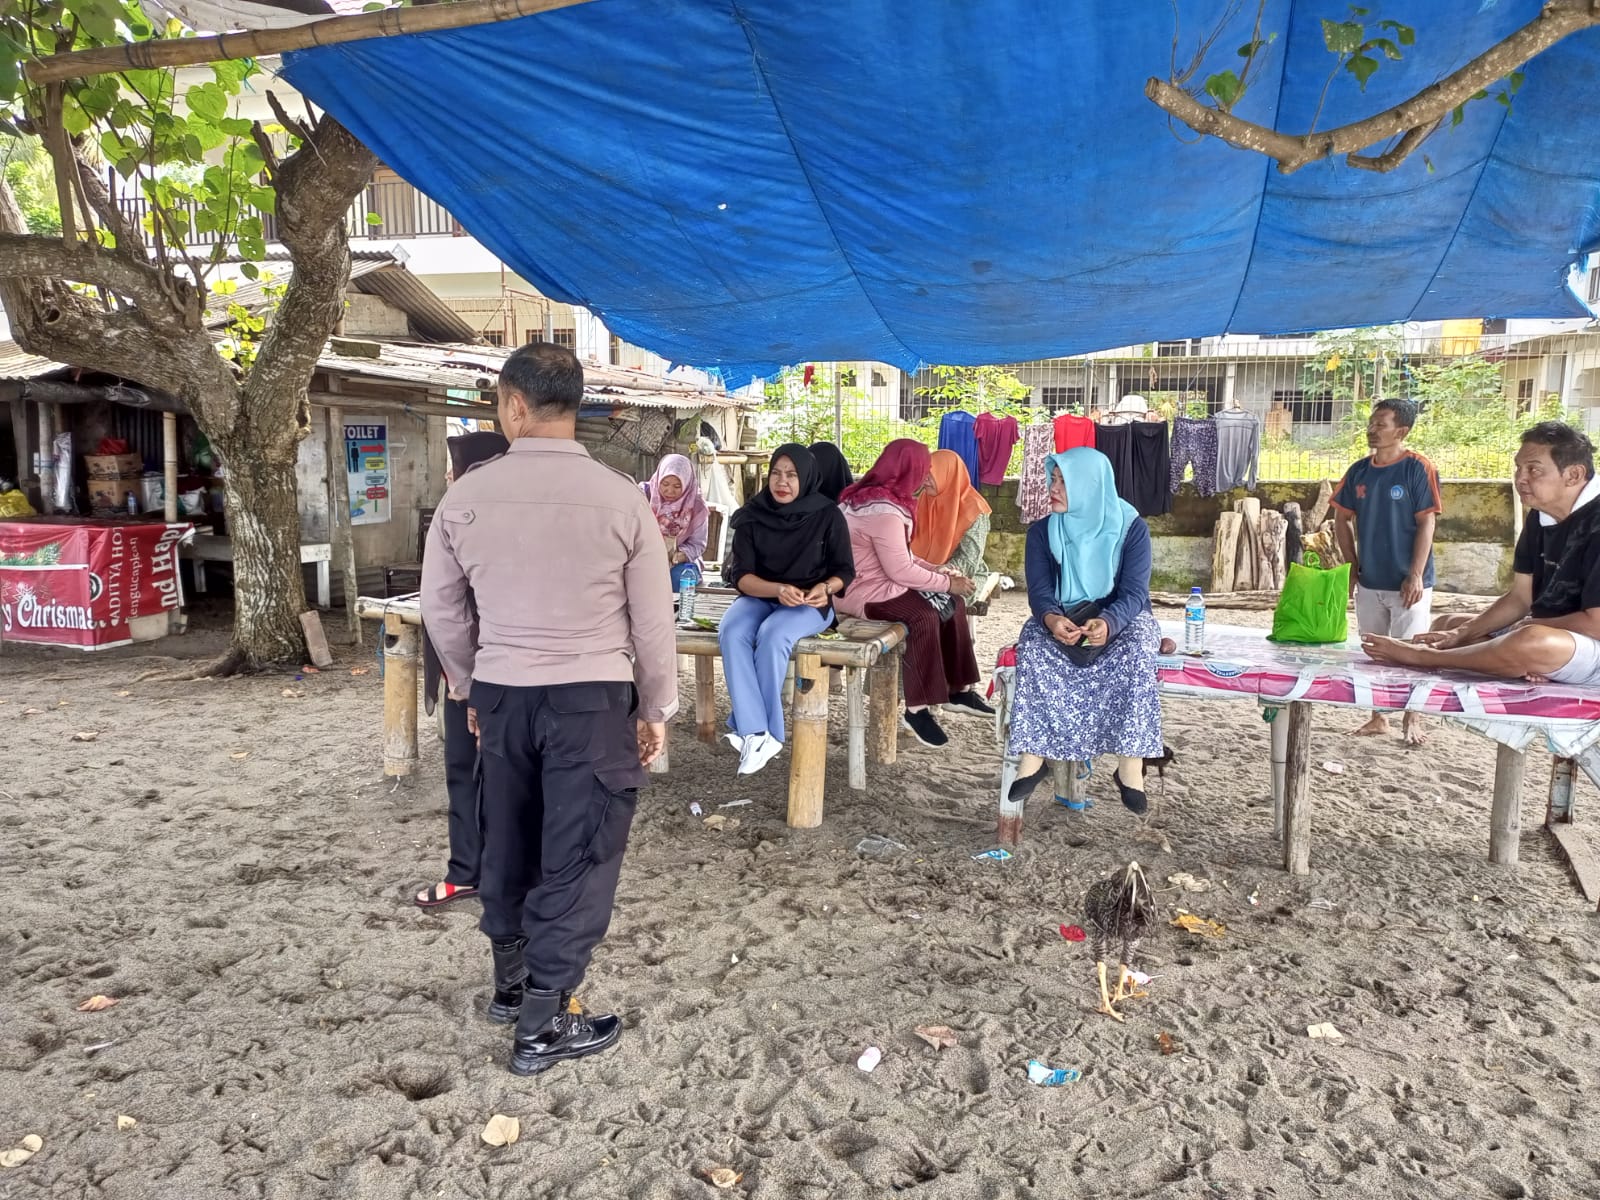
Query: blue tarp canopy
[[749, 183]]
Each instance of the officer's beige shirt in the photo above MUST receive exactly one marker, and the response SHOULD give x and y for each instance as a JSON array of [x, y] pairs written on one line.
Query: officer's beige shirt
[[565, 562]]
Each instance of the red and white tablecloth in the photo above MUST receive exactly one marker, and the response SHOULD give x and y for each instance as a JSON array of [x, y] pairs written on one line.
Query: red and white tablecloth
[[1242, 662]]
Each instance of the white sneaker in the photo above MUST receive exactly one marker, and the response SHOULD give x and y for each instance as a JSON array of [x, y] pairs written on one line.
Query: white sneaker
[[759, 750], [734, 740]]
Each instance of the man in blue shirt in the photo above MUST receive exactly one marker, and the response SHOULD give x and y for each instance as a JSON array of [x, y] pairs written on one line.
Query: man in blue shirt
[[1385, 509]]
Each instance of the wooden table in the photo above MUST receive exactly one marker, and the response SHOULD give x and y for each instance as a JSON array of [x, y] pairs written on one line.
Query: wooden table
[[1288, 680], [216, 547]]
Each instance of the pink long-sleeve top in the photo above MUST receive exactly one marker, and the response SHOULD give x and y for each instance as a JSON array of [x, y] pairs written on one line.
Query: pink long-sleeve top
[[880, 540]]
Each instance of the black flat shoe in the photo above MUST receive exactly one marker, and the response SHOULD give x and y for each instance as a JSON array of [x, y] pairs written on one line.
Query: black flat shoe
[[1022, 786], [969, 703], [924, 728], [1134, 800], [548, 1034]]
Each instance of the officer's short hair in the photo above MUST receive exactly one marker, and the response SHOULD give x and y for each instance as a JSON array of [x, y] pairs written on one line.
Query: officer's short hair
[[1569, 447], [548, 377]]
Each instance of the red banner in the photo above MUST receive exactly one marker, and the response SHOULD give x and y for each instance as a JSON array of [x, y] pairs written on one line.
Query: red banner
[[78, 583]]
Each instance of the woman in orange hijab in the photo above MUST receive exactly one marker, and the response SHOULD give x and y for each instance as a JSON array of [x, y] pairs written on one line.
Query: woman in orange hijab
[[952, 524]]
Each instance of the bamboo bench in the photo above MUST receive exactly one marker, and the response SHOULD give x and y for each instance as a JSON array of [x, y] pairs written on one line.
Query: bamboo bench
[[868, 653]]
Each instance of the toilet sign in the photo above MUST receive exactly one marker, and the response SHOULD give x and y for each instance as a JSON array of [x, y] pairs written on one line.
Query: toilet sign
[[366, 454]]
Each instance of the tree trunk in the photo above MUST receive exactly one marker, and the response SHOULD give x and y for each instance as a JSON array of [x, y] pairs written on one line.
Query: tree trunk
[[268, 585]]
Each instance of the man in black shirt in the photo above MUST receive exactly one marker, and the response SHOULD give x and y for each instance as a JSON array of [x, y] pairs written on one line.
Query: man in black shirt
[[1547, 627]]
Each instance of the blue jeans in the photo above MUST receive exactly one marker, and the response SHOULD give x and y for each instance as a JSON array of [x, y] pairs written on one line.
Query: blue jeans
[[757, 637], [682, 571]]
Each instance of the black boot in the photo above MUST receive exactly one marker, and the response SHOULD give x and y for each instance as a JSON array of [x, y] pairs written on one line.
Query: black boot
[[510, 975], [548, 1034]]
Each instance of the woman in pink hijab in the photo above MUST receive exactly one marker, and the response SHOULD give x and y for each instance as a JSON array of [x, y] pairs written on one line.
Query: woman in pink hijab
[[681, 514]]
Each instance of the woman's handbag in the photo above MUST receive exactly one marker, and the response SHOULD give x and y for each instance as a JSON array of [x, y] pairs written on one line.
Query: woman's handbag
[[1080, 653], [1313, 608]]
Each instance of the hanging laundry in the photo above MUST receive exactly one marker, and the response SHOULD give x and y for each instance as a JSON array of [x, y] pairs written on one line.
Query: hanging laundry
[[1033, 490], [1238, 448], [1151, 495], [996, 437], [958, 432], [1116, 443], [1194, 442], [1073, 431]]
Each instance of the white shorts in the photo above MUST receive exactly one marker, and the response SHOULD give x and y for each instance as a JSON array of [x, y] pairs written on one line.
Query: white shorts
[[1583, 668], [1382, 613]]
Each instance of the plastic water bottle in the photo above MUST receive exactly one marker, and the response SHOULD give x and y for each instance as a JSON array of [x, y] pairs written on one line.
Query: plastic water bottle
[[686, 601], [1194, 623]]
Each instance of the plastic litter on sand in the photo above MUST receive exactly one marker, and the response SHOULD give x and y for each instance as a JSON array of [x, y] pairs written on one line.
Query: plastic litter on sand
[[1051, 1076], [876, 846], [997, 855], [870, 1058]]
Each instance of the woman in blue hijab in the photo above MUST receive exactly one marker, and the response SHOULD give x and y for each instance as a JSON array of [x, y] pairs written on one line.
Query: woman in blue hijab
[[1086, 662]]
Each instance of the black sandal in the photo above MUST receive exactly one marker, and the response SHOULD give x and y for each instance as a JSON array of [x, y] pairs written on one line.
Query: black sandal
[[1022, 786], [1134, 800]]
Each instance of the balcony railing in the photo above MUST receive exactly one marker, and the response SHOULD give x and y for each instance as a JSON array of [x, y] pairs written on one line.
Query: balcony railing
[[401, 212]]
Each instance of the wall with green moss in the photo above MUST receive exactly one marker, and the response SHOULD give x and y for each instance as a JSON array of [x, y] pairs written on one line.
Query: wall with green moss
[[1472, 546]]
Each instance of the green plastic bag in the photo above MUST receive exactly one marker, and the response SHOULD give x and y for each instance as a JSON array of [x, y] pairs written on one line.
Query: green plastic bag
[[1314, 606]]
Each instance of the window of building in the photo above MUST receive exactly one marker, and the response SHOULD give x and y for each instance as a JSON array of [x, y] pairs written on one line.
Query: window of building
[[1524, 395], [616, 351], [1178, 349], [878, 380], [1594, 282], [847, 377], [564, 337], [1304, 410], [495, 337], [1058, 398]]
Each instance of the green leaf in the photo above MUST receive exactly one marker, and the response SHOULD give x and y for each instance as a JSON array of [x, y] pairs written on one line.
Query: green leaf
[[207, 100], [1362, 68], [1515, 79], [97, 23], [263, 198], [1342, 37], [1225, 88], [236, 126], [1390, 50], [10, 67], [1358, 12], [194, 147], [250, 271], [73, 119], [1428, 162], [230, 75], [1250, 49], [1504, 98], [374, 219], [205, 221], [1480, 94], [224, 287], [1406, 34]]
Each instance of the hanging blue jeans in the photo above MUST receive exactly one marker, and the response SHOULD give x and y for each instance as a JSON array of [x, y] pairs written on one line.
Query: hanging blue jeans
[[757, 637], [682, 571]]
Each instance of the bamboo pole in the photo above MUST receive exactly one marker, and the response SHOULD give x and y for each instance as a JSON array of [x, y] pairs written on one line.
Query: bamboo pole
[[705, 698], [401, 652], [165, 53], [1297, 792], [883, 706], [808, 750], [169, 466], [1505, 816], [856, 724], [341, 537]]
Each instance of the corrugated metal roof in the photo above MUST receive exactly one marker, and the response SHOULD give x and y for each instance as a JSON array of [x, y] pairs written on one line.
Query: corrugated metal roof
[[430, 317], [17, 363], [440, 368]]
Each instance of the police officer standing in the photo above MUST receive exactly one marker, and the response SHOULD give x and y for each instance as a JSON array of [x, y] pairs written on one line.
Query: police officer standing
[[572, 682]]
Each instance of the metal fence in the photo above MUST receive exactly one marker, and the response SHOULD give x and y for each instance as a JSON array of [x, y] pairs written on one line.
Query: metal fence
[[1475, 392]]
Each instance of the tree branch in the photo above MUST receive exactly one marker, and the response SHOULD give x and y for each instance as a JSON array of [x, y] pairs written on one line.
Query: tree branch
[[27, 256], [1411, 120]]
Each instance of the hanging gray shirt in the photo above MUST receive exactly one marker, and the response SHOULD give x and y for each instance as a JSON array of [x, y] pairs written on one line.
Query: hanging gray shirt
[[1238, 448]]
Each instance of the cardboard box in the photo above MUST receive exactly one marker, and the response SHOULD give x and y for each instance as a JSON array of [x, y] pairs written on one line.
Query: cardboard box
[[114, 466], [113, 493]]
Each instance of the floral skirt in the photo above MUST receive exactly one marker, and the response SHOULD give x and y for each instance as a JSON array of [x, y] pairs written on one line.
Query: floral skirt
[[1072, 713]]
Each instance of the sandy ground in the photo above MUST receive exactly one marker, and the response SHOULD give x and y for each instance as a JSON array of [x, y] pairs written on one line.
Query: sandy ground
[[226, 860]]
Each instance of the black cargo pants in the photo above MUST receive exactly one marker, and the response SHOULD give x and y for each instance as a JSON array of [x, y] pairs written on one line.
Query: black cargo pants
[[560, 784]]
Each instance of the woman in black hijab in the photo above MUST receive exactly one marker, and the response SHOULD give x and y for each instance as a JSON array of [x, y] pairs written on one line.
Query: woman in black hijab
[[460, 747], [833, 472], [790, 558]]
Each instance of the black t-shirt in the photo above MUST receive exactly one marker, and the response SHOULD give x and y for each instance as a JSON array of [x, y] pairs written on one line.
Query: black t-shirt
[[1564, 560]]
